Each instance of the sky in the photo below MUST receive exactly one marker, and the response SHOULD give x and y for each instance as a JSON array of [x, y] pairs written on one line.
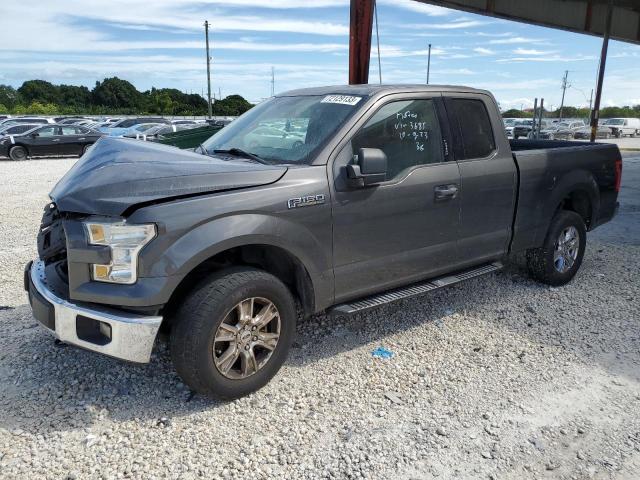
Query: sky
[[161, 43]]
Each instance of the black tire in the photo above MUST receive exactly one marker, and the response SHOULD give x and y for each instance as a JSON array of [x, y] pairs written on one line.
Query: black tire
[[85, 148], [18, 153], [197, 320], [540, 261]]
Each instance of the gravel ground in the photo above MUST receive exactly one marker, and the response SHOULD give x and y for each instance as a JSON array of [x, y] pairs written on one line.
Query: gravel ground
[[497, 378]]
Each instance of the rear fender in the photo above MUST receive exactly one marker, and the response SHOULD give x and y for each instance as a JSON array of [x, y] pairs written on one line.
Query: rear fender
[[571, 182]]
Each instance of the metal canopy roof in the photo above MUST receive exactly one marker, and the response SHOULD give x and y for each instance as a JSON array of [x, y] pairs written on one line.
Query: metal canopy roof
[[580, 16]]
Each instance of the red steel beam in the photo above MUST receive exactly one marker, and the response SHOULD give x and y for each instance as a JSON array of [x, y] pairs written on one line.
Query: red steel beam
[[360, 40]]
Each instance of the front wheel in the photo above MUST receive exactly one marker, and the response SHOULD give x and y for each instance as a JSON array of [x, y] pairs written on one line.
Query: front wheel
[[18, 153], [560, 257], [233, 333]]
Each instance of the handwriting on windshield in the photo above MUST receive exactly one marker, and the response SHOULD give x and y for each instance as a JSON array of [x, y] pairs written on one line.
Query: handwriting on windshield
[[408, 127]]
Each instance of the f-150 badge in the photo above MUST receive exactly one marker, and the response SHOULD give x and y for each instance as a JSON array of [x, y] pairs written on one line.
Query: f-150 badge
[[306, 201]]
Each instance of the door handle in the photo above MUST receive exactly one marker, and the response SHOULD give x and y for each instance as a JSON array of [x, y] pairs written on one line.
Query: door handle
[[55, 140], [81, 138], [445, 192]]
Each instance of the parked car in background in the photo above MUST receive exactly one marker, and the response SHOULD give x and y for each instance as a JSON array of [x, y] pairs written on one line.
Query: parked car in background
[[16, 128], [522, 128], [72, 120], [184, 122], [119, 128], [273, 138], [623, 126], [585, 133], [152, 133], [220, 123], [136, 129], [49, 140], [39, 120], [561, 130], [4, 117]]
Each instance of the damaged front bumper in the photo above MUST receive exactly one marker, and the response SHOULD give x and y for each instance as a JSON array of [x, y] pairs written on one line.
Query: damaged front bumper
[[116, 333]]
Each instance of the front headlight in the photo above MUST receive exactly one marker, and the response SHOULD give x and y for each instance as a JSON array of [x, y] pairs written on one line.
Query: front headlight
[[125, 242]]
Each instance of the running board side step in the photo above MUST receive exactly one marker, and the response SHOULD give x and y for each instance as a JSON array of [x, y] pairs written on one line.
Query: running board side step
[[413, 290]]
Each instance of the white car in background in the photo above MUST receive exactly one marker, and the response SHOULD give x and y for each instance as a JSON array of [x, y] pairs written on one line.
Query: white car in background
[[623, 126]]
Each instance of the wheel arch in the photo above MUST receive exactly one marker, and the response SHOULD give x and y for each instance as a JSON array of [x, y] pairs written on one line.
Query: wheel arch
[[18, 144], [273, 259], [576, 191]]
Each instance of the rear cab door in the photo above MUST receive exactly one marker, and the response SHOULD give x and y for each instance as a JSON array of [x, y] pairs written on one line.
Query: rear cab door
[[70, 143], [488, 176]]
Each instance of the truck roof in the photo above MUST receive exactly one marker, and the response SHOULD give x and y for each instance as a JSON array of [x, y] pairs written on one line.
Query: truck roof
[[369, 90]]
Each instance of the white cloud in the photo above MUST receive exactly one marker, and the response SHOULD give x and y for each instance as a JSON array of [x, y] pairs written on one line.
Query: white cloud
[[551, 58], [453, 25], [417, 7], [527, 51], [515, 40], [484, 51]]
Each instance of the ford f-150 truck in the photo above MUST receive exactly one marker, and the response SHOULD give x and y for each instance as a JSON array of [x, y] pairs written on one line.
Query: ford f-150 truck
[[356, 196]]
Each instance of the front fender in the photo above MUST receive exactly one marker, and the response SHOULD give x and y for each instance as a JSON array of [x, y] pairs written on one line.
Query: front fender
[[222, 233]]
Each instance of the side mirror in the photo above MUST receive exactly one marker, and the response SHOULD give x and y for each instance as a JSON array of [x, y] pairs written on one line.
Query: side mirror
[[370, 168], [34, 135]]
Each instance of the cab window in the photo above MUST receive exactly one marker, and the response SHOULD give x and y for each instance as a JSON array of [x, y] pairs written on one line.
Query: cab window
[[407, 131], [48, 131]]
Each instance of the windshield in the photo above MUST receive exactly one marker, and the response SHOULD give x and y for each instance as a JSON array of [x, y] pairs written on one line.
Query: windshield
[[286, 129], [614, 121], [509, 121]]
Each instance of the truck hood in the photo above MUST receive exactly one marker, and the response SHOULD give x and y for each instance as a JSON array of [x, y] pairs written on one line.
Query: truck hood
[[117, 174]]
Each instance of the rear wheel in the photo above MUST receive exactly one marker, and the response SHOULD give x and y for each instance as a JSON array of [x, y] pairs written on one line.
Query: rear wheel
[[560, 257], [233, 333], [18, 153], [85, 148]]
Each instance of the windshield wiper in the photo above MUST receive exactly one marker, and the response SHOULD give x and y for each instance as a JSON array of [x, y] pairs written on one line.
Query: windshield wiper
[[238, 152]]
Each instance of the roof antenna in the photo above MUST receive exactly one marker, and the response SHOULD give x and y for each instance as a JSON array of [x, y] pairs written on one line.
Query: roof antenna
[[375, 11]]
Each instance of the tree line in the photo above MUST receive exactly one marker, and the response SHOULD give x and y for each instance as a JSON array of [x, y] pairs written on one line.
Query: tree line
[[573, 112], [110, 96]]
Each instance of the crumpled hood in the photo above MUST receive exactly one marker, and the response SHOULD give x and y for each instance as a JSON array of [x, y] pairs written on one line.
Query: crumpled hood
[[118, 173]]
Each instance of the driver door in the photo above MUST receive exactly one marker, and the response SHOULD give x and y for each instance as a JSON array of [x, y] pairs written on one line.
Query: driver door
[[405, 228], [46, 141]]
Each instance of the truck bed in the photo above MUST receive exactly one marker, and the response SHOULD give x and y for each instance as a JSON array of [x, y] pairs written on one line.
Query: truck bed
[[551, 172], [526, 144]]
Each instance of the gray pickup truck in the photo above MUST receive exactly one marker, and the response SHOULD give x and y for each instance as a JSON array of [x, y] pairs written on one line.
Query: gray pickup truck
[[337, 198]]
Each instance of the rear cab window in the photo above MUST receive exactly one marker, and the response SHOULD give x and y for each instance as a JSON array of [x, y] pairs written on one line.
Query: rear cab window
[[471, 128]]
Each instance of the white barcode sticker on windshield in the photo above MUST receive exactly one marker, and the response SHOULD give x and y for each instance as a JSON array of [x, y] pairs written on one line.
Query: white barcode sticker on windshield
[[341, 99]]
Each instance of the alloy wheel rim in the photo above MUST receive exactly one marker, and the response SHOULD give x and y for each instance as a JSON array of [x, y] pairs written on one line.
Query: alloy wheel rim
[[246, 338], [566, 249]]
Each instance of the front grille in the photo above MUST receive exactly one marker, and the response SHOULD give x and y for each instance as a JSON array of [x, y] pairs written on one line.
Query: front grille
[[52, 243]]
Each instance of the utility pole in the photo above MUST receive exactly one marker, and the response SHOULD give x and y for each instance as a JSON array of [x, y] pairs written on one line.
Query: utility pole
[[428, 63], [375, 11], [206, 34], [273, 81], [595, 113], [564, 88]]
